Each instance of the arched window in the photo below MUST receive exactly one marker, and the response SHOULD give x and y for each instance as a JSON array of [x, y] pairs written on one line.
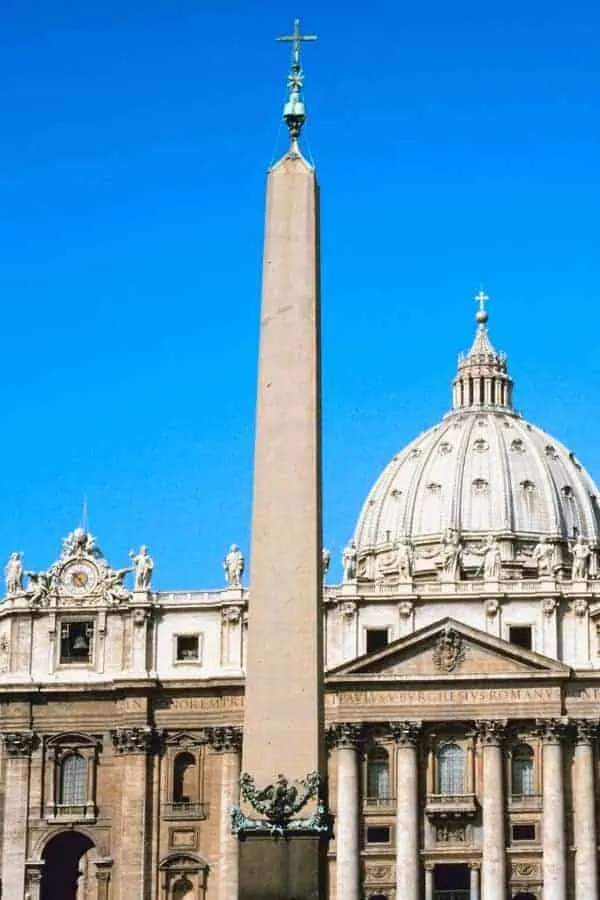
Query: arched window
[[378, 773], [184, 778], [451, 769], [183, 889], [522, 774], [72, 780]]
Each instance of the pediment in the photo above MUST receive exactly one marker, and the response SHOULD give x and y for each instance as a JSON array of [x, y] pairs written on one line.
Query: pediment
[[448, 649]]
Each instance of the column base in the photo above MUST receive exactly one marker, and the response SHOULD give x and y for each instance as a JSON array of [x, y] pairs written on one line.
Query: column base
[[282, 868]]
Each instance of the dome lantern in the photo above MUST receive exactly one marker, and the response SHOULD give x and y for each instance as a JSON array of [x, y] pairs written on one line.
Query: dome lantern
[[482, 380]]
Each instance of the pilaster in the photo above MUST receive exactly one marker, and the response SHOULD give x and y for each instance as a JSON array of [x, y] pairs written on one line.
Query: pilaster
[[133, 745], [227, 741], [18, 746]]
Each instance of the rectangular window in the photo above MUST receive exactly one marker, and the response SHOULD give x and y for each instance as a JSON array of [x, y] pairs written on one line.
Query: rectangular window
[[378, 834], [520, 635], [376, 639], [523, 832], [76, 642], [187, 647]]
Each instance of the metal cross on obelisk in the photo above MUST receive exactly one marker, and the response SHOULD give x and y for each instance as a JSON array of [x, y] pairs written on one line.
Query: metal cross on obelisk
[[293, 111]]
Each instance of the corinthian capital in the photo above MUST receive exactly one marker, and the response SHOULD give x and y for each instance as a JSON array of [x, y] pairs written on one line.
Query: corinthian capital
[[18, 743], [345, 734], [406, 733], [552, 731], [225, 739], [491, 732], [586, 730], [133, 740]]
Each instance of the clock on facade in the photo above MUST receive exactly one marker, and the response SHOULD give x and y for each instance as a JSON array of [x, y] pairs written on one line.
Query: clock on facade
[[78, 578]]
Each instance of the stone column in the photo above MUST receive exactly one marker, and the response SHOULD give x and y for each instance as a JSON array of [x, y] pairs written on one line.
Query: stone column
[[228, 742], [493, 867], [554, 864], [17, 747], [102, 881], [429, 881], [474, 881], [408, 881], [346, 740], [584, 810], [134, 746]]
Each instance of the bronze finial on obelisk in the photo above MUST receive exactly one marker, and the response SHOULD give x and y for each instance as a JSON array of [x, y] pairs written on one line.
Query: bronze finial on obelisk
[[282, 816]]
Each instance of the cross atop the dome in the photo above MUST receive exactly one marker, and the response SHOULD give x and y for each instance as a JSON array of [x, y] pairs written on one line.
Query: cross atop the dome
[[482, 299]]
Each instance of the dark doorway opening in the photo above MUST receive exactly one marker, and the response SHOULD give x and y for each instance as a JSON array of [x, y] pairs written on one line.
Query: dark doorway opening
[[522, 896], [451, 882], [61, 871]]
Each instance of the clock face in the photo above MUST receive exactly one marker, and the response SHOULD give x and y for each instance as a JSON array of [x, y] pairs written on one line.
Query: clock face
[[78, 578]]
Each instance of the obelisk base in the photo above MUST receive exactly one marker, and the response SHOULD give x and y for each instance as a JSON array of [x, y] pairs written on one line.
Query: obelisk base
[[283, 868]]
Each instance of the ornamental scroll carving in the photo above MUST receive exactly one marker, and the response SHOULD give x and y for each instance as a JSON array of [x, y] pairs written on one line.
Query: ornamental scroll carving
[[379, 872], [133, 740], [279, 803], [449, 651]]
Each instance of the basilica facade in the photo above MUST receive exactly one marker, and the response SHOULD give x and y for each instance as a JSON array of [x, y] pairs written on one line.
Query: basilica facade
[[462, 656]]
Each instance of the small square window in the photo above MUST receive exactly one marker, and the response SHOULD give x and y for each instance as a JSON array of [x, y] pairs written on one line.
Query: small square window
[[520, 635], [378, 834], [376, 639], [187, 648], [523, 832], [76, 642]]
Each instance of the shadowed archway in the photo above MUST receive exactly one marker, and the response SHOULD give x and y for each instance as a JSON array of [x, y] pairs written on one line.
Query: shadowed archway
[[62, 865]]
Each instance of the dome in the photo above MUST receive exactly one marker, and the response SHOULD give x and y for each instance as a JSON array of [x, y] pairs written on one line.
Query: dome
[[483, 470]]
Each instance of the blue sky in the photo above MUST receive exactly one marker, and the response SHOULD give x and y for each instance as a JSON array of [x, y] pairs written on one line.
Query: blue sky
[[455, 145]]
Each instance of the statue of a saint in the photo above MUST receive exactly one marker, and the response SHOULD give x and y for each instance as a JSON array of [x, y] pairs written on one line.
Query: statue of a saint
[[349, 561], [581, 553], [144, 567], [13, 572], [543, 554], [492, 559], [325, 562], [450, 554], [233, 566]]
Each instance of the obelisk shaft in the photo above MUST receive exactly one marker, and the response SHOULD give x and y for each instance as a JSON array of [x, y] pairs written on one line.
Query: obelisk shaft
[[283, 715]]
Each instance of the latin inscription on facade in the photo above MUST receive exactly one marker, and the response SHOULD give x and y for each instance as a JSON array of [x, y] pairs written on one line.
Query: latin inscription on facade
[[451, 697]]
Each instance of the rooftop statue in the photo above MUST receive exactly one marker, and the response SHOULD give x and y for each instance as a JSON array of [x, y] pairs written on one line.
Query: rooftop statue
[[492, 558], [349, 561], [543, 554], [581, 553], [233, 565], [144, 567], [13, 572], [450, 555]]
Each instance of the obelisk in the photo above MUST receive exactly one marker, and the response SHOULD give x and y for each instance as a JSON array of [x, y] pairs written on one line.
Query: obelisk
[[281, 852]]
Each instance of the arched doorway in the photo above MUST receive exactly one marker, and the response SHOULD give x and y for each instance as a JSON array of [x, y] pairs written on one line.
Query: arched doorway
[[62, 865]]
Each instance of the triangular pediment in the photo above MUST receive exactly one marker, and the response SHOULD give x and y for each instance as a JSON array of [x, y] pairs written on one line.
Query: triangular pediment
[[448, 649]]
